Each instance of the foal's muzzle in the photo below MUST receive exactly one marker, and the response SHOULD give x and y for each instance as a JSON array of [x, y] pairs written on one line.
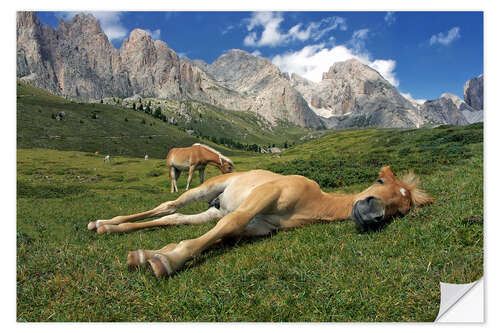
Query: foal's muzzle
[[368, 212]]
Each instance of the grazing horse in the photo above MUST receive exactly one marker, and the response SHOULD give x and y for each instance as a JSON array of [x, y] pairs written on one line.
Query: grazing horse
[[194, 158], [257, 202]]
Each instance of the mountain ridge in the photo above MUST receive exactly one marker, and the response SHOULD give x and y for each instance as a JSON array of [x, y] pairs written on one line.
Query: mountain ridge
[[77, 61]]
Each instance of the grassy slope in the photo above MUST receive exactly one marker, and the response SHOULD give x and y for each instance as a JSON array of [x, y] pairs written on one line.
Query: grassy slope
[[109, 134], [353, 156], [325, 272], [210, 121], [141, 133]]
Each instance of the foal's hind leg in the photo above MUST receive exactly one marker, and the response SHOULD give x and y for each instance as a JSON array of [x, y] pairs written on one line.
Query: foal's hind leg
[[166, 262]]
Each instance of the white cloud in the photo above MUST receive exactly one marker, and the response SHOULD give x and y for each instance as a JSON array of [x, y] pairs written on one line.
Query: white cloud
[[313, 60], [445, 39], [272, 35], [360, 34], [256, 53], [409, 97], [386, 69], [358, 39], [270, 22], [227, 29], [110, 23], [155, 34], [250, 39], [389, 18]]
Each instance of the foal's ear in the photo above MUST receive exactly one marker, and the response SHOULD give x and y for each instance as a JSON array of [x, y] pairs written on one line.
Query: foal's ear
[[386, 173]]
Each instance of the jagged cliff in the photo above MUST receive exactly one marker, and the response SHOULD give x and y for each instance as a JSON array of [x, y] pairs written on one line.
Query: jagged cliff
[[353, 94], [77, 61], [473, 92]]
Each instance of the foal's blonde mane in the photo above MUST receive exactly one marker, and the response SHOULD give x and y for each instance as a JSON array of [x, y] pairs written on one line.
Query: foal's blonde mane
[[216, 152], [418, 196]]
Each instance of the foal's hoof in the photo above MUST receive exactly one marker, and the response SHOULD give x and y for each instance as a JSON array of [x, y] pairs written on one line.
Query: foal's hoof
[[160, 265], [103, 229], [91, 225], [135, 259]]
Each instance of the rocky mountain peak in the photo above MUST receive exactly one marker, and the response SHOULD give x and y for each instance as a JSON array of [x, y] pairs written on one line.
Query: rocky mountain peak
[[138, 39], [238, 54], [445, 110], [160, 45], [351, 88], [450, 109], [238, 68], [85, 19], [351, 68], [26, 20], [454, 98], [137, 35], [473, 92], [81, 24], [77, 61]]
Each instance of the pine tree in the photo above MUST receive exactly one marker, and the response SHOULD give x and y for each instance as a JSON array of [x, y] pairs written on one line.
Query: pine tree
[[157, 113]]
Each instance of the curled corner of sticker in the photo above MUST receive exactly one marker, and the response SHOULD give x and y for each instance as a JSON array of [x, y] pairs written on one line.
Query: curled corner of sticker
[[461, 303]]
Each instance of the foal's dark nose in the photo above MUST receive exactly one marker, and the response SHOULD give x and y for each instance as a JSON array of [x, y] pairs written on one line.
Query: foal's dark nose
[[369, 211], [370, 198], [378, 218], [371, 202]]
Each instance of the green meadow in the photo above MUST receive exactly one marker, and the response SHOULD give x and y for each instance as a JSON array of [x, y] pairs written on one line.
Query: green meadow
[[323, 272]]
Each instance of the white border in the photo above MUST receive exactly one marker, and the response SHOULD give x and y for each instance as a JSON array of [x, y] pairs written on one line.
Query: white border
[[8, 129]]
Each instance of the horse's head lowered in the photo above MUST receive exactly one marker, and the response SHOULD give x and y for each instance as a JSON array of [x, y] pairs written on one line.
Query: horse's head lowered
[[226, 166], [387, 197]]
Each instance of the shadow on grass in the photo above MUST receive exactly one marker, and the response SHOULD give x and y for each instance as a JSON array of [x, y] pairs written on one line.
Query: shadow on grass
[[230, 243], [217, 249], [375, 227]]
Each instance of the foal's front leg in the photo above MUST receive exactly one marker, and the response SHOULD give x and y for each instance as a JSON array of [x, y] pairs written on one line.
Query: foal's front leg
[[212, 214], [165, 208], [169, 259], [206, 192]]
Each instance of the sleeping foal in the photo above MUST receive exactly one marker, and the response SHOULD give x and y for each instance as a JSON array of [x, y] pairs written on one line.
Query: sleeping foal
[[257, 202]]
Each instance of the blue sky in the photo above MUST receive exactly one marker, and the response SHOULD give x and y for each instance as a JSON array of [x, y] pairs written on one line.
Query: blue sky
[[423, 54]]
